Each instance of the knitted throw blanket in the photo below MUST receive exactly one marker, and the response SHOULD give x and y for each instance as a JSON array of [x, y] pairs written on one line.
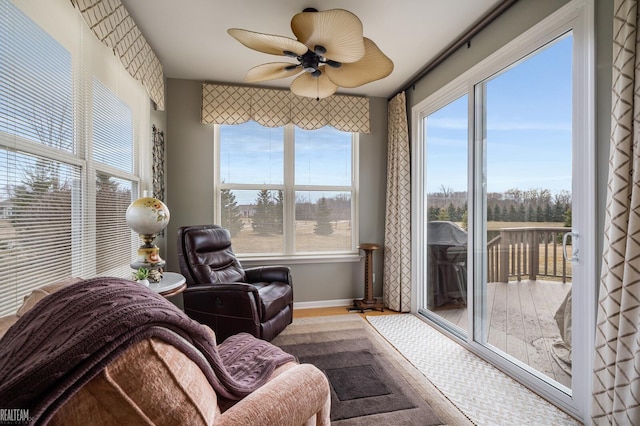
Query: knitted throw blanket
[[74, 333]]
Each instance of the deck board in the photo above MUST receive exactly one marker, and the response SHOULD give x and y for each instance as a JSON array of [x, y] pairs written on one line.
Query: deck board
[[520, 322]]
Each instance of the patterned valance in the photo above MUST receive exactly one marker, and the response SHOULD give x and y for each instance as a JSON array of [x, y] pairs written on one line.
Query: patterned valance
[[275, 108], [111, 23]]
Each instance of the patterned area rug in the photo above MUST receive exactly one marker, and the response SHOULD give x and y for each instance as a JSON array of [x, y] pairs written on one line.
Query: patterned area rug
[[485, 394], [371, 383]]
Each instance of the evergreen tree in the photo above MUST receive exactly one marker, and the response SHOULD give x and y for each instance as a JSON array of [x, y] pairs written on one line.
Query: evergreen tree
[[443, 215], [531, 214], [432, 213], [465, 220], [231, 214], [263, 221], [521, 213], [567, 218], [558, 212], [278, 212], [497, 214], [451, 210], [548, 213], [513, 215], [323, 218], [539, 214], [489, 214]]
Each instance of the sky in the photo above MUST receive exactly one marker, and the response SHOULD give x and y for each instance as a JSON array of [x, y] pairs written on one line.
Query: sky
[[252, 154], [528, 123]]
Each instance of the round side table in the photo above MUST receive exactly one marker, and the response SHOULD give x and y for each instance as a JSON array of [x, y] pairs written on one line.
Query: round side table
[[368, 302], [171, 284]]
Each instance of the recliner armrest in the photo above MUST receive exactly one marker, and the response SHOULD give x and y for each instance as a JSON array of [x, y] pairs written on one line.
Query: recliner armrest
[[268, 274], [240, 299]]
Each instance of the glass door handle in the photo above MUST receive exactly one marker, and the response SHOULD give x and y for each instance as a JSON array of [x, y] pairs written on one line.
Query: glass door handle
[[574, 249]]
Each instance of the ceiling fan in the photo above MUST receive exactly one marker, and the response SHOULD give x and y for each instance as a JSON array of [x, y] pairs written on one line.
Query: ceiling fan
[[330, 50]]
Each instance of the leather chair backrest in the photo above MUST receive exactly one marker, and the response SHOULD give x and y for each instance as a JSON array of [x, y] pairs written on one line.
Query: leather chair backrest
[[206, 257]]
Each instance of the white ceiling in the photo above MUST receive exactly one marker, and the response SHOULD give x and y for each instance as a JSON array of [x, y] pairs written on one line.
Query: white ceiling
[[190, 36]]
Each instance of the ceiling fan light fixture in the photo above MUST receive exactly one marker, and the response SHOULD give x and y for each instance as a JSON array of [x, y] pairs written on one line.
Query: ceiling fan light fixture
[[330, 50], [319, 50], [313, 87]]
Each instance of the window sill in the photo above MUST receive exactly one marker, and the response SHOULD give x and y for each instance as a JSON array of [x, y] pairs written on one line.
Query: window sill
[[299, 260]]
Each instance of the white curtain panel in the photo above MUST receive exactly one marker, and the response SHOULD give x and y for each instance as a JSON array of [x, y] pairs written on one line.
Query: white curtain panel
[[616, 391], [397, 239]]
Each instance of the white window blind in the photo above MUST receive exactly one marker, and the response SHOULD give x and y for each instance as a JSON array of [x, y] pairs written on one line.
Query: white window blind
[[113, 148], [36, 89], [68, 155], [40, 203], [112, 129]]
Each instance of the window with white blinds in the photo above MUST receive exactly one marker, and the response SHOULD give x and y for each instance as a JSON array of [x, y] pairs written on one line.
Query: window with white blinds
[[113, 148], [67, 159]]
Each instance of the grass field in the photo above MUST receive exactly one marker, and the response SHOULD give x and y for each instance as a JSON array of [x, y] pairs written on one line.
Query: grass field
[[248, 241], [495, 226]]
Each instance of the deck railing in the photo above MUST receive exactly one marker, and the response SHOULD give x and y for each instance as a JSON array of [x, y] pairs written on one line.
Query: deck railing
[[527, 252]]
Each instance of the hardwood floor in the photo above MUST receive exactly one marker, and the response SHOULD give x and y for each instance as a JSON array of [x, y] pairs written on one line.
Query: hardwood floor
[[335, 310]]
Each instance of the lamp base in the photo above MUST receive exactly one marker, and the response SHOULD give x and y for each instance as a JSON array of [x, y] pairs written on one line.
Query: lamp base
[[149, 258]]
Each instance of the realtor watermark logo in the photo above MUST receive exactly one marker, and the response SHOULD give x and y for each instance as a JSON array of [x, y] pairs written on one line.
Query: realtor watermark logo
[[14, 416]]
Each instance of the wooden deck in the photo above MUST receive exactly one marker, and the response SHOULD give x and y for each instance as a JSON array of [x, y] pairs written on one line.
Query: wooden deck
[[521, 324]]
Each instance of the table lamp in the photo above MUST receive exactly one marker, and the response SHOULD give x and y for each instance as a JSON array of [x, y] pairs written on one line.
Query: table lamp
[[148, 216]]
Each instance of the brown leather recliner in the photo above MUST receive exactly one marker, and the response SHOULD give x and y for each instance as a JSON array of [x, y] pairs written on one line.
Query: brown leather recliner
[[226, 297]]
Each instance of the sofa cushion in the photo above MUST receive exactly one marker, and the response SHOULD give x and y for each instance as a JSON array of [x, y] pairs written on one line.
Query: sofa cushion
[[151, 383]]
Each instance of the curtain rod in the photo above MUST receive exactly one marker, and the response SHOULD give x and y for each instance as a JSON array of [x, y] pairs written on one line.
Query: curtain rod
[[465, 38]]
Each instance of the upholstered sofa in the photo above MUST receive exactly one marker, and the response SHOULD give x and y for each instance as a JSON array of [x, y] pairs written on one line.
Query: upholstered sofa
[[153, 382]]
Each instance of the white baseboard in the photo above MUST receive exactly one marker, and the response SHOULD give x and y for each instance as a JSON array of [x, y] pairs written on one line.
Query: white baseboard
[[326, 303]]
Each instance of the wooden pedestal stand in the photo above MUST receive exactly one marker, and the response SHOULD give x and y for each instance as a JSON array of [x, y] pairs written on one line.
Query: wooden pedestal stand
[[369, 302]]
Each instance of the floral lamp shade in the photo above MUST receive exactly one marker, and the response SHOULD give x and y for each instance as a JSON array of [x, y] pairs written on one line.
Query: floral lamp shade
[[148, 217]]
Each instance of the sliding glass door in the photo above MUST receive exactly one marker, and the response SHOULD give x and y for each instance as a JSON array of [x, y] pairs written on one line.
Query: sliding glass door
[[524, 212], [446, 179], [503, 183]]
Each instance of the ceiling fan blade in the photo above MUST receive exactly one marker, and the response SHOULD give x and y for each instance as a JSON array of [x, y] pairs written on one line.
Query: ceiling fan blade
[[337, 30], [313, 87], [373, 66], [267, 43], [271, 71]]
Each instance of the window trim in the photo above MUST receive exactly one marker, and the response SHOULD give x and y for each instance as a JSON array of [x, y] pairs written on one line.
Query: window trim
[[289, 188]]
